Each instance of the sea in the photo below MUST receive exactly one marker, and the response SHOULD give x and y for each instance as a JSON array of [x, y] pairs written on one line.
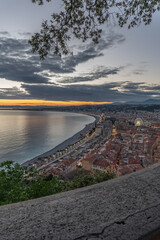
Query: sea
[[27, 134]]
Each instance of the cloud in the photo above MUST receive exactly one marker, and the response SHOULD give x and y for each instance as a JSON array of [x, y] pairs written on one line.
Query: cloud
[[100, 72], [91, 50], [25, 34], [17, 62], [13, 93], [129, 86], [105, 92], [139, 71], [140, 89], [70, 92], [108, 92], [5, 33]]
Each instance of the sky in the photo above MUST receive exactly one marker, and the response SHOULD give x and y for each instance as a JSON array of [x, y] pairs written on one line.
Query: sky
[[123, 67]]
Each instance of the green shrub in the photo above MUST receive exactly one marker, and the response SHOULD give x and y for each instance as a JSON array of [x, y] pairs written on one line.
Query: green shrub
[[19, 183]]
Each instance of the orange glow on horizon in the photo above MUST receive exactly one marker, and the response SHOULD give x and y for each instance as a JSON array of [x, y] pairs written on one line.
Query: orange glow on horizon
[[33, 102]]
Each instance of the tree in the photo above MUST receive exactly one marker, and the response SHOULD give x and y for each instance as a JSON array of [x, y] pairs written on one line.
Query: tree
[[19, 183], [82, 19]]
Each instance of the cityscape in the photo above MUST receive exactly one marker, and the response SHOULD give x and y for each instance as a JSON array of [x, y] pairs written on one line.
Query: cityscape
[[119, 141], [79, 120]]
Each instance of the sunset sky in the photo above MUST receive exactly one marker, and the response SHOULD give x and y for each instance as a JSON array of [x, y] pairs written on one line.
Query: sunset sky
[[124, 66]]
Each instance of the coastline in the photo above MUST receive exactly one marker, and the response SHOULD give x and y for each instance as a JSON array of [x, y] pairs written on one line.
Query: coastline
[[64, 144]]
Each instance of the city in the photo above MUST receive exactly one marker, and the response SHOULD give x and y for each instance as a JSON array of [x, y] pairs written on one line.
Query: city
[[122, 142]]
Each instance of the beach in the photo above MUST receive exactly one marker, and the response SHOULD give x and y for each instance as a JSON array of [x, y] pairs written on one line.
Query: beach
[[64, 144]]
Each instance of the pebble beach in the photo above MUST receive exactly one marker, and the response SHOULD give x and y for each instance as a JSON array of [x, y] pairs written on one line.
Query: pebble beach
[[62, 145]]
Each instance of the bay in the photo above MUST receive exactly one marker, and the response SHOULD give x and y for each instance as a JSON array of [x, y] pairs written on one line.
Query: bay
[[27, 134]]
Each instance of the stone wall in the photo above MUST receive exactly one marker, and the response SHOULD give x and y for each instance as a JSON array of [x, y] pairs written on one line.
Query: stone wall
[[125, 208]]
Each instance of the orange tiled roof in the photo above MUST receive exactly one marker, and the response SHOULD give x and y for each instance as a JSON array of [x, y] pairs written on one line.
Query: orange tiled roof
[[101, 163]]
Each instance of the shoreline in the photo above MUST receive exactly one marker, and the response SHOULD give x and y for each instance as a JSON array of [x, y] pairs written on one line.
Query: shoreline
[[64, 144]]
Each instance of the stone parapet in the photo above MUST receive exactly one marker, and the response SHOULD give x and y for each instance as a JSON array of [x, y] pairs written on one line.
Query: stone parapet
[[125, 208]]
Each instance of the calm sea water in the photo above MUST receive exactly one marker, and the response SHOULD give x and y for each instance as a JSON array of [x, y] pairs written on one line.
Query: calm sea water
[[27, 134]]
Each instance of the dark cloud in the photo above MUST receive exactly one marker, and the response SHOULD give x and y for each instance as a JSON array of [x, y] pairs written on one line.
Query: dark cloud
[[17, 62], [91, 50], [25, 34], [100, 72], [142, 68], [152, 88], [13, 93], [109, 92], [71, 92], [132, 85], [20, 71], [106, 92], [4, 33], [141, 89], [139, 71], [109, 41]]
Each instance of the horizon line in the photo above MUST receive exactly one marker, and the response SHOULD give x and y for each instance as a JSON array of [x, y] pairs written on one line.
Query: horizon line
[[49, 103]]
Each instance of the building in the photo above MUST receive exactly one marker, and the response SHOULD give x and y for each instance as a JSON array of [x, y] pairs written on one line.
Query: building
[[101, 165]]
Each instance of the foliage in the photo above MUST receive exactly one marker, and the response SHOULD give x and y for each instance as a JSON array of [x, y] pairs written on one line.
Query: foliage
[[82, 19], [19, 184]]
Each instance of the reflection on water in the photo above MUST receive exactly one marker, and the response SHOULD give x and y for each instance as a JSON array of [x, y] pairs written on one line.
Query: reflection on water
[[26, 134]]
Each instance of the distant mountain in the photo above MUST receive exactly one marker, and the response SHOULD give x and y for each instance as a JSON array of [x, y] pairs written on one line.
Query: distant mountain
[[129, 103], [134, 103], [118, 103], [146, 102], [152, 101]]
